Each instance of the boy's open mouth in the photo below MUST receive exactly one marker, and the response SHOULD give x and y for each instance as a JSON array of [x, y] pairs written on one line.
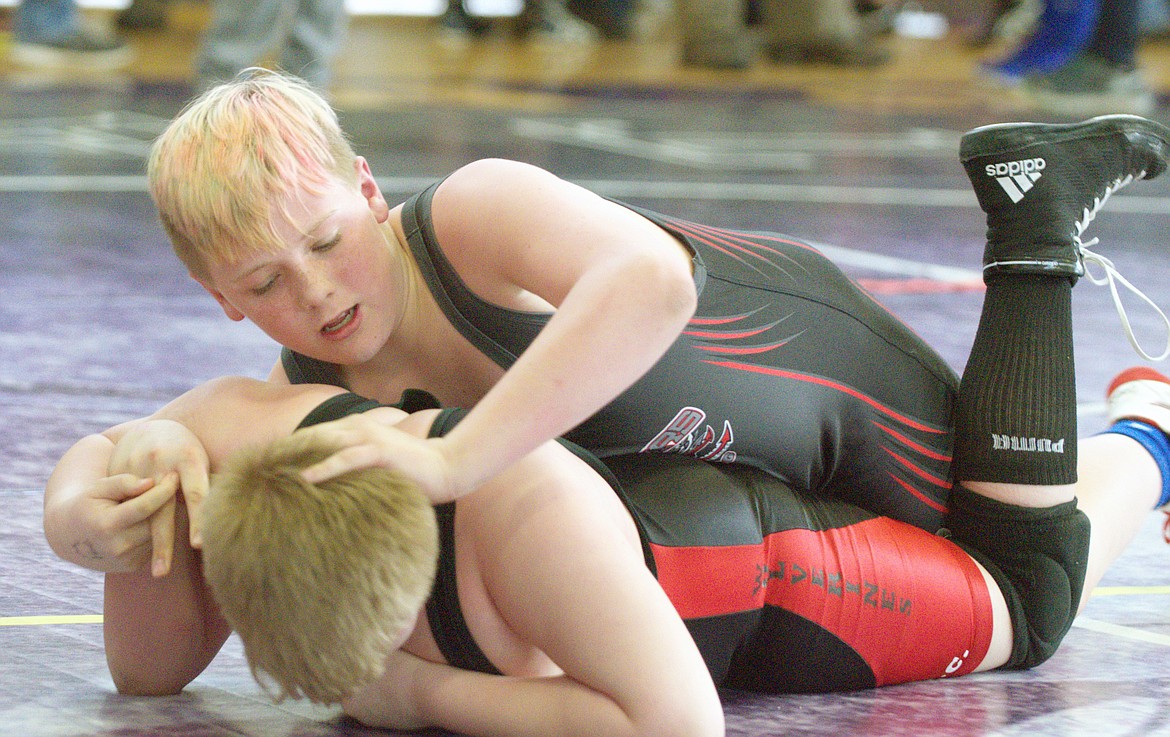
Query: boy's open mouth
[[345, 319]]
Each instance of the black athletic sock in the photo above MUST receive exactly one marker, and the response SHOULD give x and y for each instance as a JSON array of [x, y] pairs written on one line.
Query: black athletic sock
[[1016, 415]]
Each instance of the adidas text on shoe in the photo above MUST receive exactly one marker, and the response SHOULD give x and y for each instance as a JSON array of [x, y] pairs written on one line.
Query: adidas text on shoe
[[1017, 177]]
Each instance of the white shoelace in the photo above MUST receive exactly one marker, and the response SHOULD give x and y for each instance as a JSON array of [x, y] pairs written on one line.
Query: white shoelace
[[1112, 277]]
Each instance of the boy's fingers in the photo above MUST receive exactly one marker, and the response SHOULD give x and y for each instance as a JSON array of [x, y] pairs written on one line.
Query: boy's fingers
[[157, 494], [162, 539], [193, 481], [123, 486], [343, 461]]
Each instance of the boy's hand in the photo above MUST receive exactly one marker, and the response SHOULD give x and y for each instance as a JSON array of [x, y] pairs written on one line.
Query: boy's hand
[[366, 442], [155, 449], [389, 702], [115, 523]]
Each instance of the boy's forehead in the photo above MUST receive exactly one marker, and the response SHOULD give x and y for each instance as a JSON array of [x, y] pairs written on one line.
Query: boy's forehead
[[232, 263], [292, 221]]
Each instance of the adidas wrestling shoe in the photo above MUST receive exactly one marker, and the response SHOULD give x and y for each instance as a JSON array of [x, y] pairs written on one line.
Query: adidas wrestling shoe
[[1042, 184]]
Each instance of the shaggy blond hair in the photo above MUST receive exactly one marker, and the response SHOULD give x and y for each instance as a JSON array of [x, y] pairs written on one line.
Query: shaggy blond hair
[[318, 580], [226, 165]]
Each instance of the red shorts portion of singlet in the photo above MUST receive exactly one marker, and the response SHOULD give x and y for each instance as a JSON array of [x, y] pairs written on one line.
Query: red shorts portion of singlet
[[786, 591]]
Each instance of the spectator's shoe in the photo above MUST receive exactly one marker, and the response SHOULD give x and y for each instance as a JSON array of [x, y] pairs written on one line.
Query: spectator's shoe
[[77, 50], [611, 19], [1060, 32], [1088, 85], [552, 23], [990, 26], [1042, 184], [737, 52]]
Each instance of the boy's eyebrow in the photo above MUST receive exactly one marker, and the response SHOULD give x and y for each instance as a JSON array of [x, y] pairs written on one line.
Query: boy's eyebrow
[[319, 221]]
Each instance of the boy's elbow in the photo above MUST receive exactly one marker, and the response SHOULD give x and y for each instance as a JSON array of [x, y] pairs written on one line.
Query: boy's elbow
[[689, 722], [671, 282], [686, 296], [682, 712], [130, 682], [145, 687]]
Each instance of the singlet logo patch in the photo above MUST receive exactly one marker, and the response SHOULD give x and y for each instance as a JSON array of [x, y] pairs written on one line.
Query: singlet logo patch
[[682, 435]]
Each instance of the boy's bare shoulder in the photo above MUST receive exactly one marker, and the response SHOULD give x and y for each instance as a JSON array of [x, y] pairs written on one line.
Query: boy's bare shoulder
[[228, 391], [485, 183], [231, 410]]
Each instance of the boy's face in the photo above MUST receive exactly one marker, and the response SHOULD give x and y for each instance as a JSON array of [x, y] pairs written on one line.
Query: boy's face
[[333, 290]]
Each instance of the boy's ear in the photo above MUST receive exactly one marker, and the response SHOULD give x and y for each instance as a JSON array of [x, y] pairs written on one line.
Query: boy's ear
[[228, 309], [370, 190]]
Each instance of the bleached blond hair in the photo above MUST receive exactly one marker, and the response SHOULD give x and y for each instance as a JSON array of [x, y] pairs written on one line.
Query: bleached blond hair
[[229, 162], [318, 580]]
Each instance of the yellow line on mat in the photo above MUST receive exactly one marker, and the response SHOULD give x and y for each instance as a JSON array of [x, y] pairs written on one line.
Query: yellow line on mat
[[1120, 630], [1130, 590], [52, 619]]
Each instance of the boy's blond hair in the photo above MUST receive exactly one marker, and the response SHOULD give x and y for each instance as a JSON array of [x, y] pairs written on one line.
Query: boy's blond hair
[[234, 154], [318, 580]]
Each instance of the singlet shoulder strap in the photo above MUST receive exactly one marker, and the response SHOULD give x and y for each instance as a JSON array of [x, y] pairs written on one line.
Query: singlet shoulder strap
[[500, 334], [301, 369], [444, 614], [342, 405], [336, 407]]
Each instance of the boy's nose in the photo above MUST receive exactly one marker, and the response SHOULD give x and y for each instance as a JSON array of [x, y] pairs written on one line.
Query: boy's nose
[[316, 286]]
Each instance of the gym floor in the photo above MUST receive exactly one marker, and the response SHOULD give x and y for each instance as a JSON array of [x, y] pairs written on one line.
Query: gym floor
[[98, 322]]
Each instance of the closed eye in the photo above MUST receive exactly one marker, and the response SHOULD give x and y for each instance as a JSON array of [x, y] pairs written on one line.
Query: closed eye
[[265, 287], [327, 245]]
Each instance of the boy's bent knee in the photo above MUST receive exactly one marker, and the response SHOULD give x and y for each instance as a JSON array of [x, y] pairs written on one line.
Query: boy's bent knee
[[1037, 557]]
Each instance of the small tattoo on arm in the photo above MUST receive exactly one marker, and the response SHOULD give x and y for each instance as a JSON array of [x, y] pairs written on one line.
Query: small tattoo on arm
[[85, 549]]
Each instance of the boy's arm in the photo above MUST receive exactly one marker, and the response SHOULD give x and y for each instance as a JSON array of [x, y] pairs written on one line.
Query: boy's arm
[[105, 521], [160, 633], [111, 523], [568, 578], [417, 694], [622, 289]]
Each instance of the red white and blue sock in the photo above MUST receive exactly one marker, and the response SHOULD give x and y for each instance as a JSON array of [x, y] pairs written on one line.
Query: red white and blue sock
[[1156, 443]]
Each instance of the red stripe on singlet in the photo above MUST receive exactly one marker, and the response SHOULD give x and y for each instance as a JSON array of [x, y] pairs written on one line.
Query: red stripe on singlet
[[906, 601]]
